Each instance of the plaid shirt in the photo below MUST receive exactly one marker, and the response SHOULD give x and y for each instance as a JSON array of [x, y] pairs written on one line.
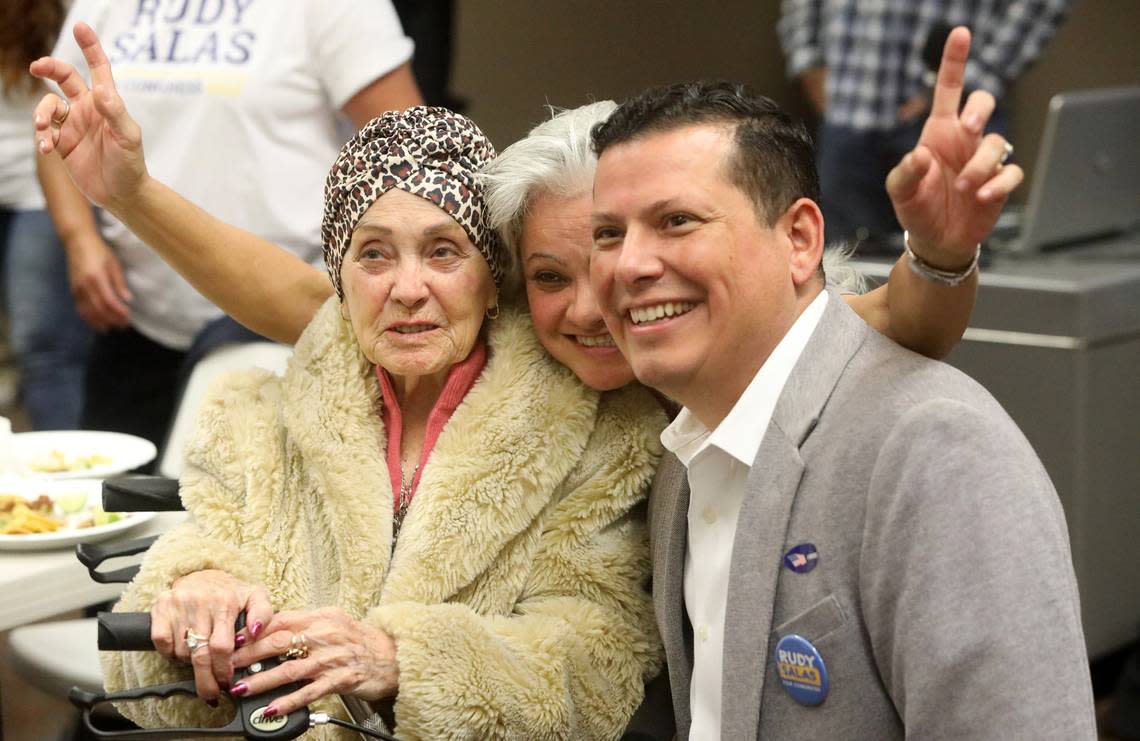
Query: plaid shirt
[[873, 48]]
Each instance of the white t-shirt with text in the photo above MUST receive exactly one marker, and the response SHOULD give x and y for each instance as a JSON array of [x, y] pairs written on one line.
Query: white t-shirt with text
[[239, 104]]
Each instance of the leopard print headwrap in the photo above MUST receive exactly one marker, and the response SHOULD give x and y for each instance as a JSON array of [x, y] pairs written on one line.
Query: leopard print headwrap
[[426, 151]]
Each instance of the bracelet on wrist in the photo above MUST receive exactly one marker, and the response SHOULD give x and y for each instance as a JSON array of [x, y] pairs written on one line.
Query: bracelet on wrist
[[925, 270]]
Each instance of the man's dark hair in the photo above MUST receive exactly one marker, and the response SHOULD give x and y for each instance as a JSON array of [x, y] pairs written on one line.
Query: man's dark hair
[[773, 162]]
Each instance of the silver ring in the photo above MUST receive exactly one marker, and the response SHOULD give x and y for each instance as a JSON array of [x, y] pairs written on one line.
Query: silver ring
[[195, 641], [58, 120], [1007, 152]]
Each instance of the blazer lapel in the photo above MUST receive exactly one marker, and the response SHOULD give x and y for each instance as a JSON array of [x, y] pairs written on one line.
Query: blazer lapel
[[668, 508], [756, 556], [761, 530]]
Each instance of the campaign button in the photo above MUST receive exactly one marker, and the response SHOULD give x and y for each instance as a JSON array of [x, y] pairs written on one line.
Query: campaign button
[[801, 670], [802, 558]]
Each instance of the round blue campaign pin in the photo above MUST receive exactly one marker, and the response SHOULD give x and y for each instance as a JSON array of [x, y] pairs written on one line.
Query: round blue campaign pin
[[801, 670], [802, 558]]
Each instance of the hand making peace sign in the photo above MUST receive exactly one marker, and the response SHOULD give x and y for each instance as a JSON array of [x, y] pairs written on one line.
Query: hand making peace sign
[[948, 191], [99, 142]]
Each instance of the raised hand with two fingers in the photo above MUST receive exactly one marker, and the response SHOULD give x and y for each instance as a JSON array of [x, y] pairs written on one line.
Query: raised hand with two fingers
[[949, 190], [90, 128]]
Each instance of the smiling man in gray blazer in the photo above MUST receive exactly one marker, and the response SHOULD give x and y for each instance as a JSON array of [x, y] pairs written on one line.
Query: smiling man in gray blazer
[[850, 541]]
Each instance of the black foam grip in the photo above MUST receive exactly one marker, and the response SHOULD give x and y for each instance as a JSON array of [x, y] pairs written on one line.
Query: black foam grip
[[141, 494], [124, 631]]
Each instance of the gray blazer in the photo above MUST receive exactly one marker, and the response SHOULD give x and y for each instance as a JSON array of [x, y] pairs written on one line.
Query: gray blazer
[[944, 603]]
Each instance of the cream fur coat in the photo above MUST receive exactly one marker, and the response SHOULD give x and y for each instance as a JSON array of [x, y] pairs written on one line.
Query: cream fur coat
[[517, 590]]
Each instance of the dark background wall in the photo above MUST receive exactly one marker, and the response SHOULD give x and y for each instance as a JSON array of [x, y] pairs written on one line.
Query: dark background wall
[[512, 57]]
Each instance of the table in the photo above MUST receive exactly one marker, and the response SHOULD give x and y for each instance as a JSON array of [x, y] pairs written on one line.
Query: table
[[39, 584]]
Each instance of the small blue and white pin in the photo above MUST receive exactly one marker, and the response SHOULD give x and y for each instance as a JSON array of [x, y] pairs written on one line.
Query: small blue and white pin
[[802, 670], [802, 558]]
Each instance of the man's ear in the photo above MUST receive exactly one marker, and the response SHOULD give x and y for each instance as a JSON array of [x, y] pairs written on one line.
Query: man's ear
[[802, 226]]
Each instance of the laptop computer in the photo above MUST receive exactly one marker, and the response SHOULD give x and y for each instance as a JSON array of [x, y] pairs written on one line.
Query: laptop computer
[[1086, 182]]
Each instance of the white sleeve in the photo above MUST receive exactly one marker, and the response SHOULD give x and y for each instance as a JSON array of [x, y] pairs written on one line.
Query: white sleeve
[[354, 43]]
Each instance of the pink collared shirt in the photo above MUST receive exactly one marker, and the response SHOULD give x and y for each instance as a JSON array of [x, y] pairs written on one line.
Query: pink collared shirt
[[460, 379]]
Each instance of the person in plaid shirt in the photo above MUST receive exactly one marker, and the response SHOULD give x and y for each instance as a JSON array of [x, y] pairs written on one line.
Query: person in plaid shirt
[[862, 68]]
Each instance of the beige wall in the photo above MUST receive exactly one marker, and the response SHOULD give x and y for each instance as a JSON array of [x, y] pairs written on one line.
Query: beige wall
[[514, 56]]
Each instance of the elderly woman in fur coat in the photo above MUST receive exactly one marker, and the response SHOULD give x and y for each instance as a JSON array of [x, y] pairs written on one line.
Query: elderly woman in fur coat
[[427, 508]]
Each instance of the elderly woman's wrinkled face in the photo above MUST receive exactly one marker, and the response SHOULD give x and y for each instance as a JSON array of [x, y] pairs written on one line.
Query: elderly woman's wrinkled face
[[415, 287], [557, 238]]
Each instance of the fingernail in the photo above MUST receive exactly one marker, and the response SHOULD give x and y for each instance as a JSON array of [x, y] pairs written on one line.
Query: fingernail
[[255, 629], [239, 689], [239, 640], [973, 121], [43, 146], [961, 184], [269, 712], [212, 703], [985, 193]]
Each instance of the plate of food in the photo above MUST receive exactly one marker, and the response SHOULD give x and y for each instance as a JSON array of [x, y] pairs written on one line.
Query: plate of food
[[40, 514], [79, 454]]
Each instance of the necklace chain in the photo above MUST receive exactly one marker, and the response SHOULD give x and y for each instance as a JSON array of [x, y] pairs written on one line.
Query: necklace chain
[[405, 499]]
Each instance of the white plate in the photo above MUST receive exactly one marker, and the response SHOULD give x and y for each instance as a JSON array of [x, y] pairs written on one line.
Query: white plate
[[64, 537], [124, 451]]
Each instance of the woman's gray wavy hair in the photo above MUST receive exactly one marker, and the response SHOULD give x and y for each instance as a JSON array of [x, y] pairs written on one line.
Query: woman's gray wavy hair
[[841, 275], [557, 157]]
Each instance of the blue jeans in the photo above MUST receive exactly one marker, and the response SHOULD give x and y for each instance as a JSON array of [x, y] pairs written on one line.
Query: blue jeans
[[853, 167], [48, 337]]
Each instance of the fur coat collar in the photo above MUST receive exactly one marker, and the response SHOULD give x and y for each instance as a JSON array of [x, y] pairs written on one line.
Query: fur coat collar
[[508, 446]]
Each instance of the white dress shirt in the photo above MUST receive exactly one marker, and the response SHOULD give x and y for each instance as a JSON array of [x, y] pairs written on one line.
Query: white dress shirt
[[718, 463]]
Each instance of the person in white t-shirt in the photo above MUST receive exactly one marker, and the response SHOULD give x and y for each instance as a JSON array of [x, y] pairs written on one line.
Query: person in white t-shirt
[[244, 105], [48, 338]]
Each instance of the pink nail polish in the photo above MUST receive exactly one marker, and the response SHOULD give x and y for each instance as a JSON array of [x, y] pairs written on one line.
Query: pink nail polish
[[239, 640], [239, 689], [269, 712], [255, 629]]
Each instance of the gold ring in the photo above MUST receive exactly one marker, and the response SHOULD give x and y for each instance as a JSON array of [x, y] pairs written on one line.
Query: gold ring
[[58, 120], [195, 641], [298, 647]]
